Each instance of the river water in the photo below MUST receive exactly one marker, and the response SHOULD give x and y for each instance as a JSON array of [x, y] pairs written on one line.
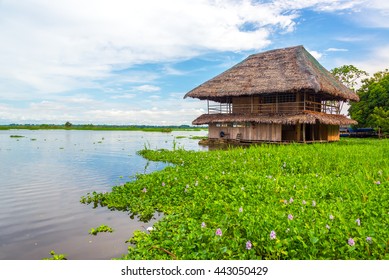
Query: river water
[[43, 176]]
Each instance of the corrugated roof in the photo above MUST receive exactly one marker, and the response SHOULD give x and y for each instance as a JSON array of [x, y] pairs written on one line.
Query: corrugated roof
[[287, 70]]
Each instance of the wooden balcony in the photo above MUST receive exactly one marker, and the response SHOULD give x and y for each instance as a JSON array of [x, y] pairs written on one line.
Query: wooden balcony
[[275, 108]]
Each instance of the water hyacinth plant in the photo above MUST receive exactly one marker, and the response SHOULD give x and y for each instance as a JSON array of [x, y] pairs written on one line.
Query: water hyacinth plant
[[303, 209]]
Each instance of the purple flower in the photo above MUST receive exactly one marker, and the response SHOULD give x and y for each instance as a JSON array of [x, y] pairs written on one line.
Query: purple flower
[[273, 235], [144, 190], [249, 245], [351, 242], [291, 200], [290, 217], [369, 240], [313, 203], [163, 184], [304, 202], [219, 232], [358, 221], [328, 227], [241, 209], [331, 217], [378, 183], [203, 225]]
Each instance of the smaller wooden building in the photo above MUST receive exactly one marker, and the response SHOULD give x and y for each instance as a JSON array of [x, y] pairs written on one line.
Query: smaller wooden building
[[275, 96]]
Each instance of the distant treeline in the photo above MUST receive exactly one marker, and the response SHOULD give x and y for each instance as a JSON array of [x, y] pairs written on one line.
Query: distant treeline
[[69, 126]]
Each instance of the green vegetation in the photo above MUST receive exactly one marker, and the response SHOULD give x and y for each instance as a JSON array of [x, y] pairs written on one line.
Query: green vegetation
[[198, 137], [349, 75], [56, 257], [16, 136], [192, 137], [69, 126], [101, 228], [372, 110], [318, 201]]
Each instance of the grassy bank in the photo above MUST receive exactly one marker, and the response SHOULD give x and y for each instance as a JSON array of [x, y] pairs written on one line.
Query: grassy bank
[[319, 201], [104, 127]]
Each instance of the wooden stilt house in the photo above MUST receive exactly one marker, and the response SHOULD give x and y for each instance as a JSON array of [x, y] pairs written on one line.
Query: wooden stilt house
[[275, 96]]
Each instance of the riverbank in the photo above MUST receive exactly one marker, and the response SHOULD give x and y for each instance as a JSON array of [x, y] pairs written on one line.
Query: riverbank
[[144, 128]]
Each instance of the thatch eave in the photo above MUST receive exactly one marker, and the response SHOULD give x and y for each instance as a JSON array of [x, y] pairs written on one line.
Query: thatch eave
[[307, 117]]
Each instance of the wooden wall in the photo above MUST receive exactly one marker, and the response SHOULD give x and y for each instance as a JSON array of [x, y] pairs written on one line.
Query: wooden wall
[[333, 133], [256, 132], [277, 132]]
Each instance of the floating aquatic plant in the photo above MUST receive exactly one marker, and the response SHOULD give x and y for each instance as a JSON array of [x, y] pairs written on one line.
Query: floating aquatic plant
[[101, 228], [303, 209]]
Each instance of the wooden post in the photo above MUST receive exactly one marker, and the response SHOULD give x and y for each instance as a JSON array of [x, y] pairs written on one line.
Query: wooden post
[[304, 132], [319, 126], [208, 105], [313, 132]]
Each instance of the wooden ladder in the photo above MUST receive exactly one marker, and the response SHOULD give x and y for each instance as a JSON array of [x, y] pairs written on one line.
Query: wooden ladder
[[238, 136]]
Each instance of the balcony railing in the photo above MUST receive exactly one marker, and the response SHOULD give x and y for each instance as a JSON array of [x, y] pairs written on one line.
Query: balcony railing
[[271, 108]]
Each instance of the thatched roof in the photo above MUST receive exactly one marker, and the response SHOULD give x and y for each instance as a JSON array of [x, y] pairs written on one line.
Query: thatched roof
[[288, 70], [307, 117]]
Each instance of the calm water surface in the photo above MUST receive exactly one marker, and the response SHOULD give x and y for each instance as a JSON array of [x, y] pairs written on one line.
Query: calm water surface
[[43, 176]]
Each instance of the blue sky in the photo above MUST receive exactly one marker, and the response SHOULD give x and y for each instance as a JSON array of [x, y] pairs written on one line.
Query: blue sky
[[131, 62]]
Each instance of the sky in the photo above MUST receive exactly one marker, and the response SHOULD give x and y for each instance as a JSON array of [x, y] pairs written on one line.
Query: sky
[[126, 62]]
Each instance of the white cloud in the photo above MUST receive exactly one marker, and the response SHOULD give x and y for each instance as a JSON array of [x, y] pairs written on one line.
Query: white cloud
[[336, 50], [376, 60], [147, 88], [55, 46], [315, 54], [375, 14], [124, 96], [320, 5], [50, 47]]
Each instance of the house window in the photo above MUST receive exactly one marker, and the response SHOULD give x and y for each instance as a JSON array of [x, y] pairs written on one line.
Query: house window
[[221, 125]]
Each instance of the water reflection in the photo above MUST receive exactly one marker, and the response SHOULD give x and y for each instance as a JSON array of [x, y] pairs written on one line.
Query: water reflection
[[43, 176]]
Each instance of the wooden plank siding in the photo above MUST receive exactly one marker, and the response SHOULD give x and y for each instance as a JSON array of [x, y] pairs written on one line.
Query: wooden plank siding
[[275, 132], [254, 132], [333, 133]]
